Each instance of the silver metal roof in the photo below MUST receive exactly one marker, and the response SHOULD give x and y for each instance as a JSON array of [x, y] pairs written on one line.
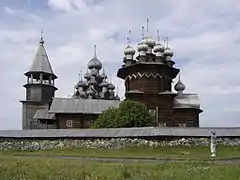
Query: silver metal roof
[[41, 62], [88, 106], [121, 132], [43, 114], [187, 100]]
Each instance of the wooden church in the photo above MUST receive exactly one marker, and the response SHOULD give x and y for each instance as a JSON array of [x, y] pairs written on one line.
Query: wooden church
[[42, 110], [148, 77]]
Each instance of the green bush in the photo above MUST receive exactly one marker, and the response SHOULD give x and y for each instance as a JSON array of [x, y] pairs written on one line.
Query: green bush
[[129, 114]]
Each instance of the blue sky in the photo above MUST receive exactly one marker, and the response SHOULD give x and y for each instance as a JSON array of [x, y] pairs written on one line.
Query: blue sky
[[204, 36]]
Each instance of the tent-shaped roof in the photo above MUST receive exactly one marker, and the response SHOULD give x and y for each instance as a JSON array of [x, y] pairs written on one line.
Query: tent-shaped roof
[[41, 62]]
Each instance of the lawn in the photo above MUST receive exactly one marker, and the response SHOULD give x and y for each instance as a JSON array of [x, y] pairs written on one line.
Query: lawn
[[22, 168], [139, 152]]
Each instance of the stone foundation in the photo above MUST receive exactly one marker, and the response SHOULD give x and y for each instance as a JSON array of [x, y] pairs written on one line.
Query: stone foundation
[[32, 145]]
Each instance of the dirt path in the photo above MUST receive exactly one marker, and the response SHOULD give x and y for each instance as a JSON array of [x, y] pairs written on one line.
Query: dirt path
[[134, 160]]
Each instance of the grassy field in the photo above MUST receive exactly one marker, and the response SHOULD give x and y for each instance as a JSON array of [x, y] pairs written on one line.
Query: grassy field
[[140, 152], [22, 168], [17, 167]]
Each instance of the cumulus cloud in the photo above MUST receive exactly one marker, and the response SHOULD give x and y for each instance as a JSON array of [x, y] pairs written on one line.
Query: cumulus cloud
[[202, 34]]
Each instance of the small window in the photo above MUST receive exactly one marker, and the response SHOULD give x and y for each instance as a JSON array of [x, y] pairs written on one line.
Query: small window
[[182, 124], [69, 123], [162, 124], [152, 112]]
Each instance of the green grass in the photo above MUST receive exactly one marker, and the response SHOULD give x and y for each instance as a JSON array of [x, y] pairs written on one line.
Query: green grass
[[22, 168], [139, 152]]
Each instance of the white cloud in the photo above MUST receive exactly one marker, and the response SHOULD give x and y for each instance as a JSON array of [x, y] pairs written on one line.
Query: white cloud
[[203, 35], [69, 6]]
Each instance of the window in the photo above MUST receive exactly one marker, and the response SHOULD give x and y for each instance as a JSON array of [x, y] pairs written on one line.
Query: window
[[152, 112], [69, 123], [162, 124], [182, 124]]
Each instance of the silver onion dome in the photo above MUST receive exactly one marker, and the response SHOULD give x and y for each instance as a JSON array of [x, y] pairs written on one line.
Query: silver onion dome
[[179, 86], [92, 82], [149, 41], [168, 52], [87, 75], [111, 86], [117, 98], [94, 63], [103, 75], [158, 48], [129, 50], [94, 72], [104, 84], [142, 47]]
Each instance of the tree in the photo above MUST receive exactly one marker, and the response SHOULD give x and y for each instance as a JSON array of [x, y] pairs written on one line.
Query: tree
[[129, 114], [107, 119]]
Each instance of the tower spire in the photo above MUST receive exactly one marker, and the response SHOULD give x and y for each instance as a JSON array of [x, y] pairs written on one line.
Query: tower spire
[[158, 36], [41, 63], [129, 38], [142, 32], [41, 38], [95, 51], [147, 24], [164, 43], [167, 41]]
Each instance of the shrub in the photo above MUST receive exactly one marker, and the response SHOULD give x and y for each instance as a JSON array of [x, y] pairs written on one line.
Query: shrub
[[129, 114]]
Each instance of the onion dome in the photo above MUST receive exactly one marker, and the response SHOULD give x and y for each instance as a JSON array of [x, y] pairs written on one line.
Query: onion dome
[[179, 86], [117, 98], [87, 75], [111, 86], [94, 72], [129, 50], [92, 81], [104, 84], [149, 41], [94, 62], [142, 47], [168, 52], [103, 75], [80, 84], [158, 48]]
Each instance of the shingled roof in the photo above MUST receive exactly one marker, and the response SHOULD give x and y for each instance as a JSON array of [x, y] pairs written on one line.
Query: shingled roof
[[41, 62], [85, 106], [43, 114], [187, 101]]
